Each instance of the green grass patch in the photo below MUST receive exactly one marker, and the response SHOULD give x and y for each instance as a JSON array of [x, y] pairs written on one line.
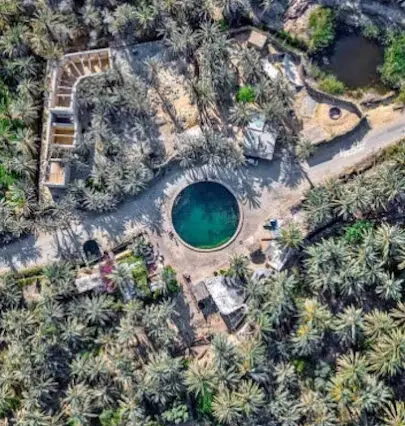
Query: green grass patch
[[330, 84], [322, 29]]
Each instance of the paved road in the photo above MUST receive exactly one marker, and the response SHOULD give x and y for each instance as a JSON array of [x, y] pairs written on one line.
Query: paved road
[[265, 190]]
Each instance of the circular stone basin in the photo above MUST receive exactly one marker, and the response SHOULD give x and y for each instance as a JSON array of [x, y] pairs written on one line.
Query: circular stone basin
[[205, 215], [335, 113]]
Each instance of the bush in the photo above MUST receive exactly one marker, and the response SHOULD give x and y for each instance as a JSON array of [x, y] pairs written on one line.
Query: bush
[[110, 418], [204, 403], [330, 84], [246, 94], [322, 29], [355, 233], [223, 25], [371, 31], [169, 277], [139, 273], [393, 69]]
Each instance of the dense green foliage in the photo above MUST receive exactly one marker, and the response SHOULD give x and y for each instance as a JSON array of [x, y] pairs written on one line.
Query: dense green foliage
[[322, 29], [323, 343], [393, 69], [330, 84]]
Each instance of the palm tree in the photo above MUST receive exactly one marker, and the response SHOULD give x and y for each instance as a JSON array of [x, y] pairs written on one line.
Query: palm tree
[[121, 275], [225, 353], [24, 108], [388, 185], [162, 380], [156, 319], [146, 15], [60, 279], [200, 378], [279, 299], [394, 414], [10, 292], [390, 288], [387, 355], [26, 141], [398, 314], [123, 20], [389, 240], [8, 10], [249, 61], [13, 41], [242, 114], [79, 404], [239, 268], [250, 398], [316, 409], [354, 390], [349, 326], [291, 235], [318, 207], [226, 408], [96, 310], [377, 323], [24, 67], [30, 417], [75, 333]]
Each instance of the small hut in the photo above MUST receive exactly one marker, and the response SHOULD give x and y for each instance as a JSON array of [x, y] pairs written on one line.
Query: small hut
[[219, 294], [203, 299], [257, 39]]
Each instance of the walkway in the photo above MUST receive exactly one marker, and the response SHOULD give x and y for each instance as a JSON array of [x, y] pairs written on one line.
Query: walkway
[[270, 189]]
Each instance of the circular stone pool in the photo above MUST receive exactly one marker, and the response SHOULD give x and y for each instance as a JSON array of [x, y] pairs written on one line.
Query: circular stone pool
[[205, 215]]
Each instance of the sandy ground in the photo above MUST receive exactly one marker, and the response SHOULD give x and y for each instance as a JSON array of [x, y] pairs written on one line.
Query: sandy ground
[[383, 115], [317, 125]]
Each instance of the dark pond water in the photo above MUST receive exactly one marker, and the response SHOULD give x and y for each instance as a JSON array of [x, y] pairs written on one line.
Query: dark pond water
[[205, 215], [354, 60]]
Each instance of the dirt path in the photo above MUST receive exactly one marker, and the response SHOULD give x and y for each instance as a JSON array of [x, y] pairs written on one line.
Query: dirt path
[[268, 190]]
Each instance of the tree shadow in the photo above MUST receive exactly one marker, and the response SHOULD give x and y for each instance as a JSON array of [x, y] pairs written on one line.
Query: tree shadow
[[183, 319], [20, 253]]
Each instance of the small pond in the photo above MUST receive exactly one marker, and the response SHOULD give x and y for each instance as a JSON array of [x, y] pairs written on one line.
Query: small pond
[[205, 215], [354, 60]]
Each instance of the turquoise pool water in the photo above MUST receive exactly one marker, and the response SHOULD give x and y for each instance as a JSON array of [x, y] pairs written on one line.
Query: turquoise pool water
[[205, 215]]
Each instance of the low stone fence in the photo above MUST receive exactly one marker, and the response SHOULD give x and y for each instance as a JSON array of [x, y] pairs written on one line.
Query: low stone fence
[[376, 101], [323, 97], [361, 127]]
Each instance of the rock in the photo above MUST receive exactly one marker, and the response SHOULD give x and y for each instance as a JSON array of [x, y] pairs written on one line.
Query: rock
[[297, 8], [359, 12]]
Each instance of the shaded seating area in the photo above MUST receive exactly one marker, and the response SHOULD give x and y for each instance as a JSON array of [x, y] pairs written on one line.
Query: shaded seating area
[[74, 67]]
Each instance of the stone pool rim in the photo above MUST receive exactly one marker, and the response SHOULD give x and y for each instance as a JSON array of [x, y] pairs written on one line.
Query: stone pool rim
[[214, 249]]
